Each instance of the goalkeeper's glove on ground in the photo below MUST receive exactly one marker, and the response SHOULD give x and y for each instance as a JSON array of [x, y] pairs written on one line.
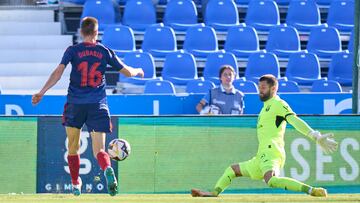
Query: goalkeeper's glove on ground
[[326, 141]]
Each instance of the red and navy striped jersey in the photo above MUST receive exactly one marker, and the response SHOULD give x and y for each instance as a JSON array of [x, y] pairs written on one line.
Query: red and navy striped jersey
[[87, 77]]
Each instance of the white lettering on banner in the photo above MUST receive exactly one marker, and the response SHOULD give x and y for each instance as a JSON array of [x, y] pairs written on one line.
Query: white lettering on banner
[[48, 187], [100, 186], [9, 108], [83, 161], [67, 187], [88, 187], [352, 174], [321, 158], [295, 146], [156, 107], [331, 108]]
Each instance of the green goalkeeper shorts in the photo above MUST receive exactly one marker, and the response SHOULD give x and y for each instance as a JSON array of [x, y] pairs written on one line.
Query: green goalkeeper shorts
[[263, 162]]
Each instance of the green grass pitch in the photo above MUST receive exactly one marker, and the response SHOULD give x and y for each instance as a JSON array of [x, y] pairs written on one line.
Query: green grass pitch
[[176, 198]]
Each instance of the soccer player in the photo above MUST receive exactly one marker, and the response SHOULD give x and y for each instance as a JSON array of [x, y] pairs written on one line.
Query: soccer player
[[270, 157], [86, 99]]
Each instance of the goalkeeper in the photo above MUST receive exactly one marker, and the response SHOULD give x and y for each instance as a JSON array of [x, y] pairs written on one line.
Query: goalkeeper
[[270, 157]]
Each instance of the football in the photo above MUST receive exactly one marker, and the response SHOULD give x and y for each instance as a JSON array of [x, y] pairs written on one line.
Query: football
[[119, 149]]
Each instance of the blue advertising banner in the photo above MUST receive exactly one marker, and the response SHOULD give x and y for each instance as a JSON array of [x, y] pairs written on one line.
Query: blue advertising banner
[[304, 103], [53, 174]]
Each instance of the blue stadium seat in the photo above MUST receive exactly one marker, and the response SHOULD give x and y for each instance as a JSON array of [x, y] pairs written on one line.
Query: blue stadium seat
[[180, 15], [159, 87], [324, 41], [201, 41], [199, 86], [119, 38], [141, 60], [288, 86], [262, 15], [139, 14], [341, 15], [326, 86], [303, 68], [213, 64], [303, 15], [179, 68], [283, 41], [242, 41], [341, 68], [246, 86], [227, 17], [102, 10], [159, 40], [260, 64]]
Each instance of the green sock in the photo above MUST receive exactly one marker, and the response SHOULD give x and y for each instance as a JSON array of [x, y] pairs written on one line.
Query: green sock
[[224, 181], [288, 184]]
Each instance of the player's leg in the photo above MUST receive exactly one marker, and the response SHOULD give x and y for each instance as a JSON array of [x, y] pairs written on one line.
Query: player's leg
[[73, 135], [224, 181], [99, 124], [292, 184], [73, 120], [247, 169], [271, 164]]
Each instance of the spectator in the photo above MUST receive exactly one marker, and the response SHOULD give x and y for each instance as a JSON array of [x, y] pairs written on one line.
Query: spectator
[[224, 99]]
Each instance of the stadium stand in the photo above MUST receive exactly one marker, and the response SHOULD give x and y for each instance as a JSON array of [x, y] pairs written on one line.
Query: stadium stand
[[303, 15], [120, 38], [143, 60], [288, 86], [180, 15], [200, 41], [179, 68], [303, 68], [227, 17], [159, 87], [326, 86], [246, 86], [262, 15], [340, 68], [102, 10], [260, 64], [139, 14], [283, 41], [341, 15], [324, 41], [159, 40], [26, 64], [213, 64], [199, 86], [242, 41]]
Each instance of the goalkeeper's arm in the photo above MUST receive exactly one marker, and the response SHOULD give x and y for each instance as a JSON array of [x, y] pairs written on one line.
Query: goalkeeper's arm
[[327, 144]]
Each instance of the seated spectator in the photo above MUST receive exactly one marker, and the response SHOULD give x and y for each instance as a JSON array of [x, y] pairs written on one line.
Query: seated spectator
[[224, 99]]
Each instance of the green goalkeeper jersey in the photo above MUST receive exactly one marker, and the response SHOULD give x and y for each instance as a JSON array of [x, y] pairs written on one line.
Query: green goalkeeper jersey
[[271, 125]]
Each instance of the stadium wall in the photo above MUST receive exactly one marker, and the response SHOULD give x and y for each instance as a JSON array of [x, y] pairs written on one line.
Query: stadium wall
[[172, 154], [304, 103]]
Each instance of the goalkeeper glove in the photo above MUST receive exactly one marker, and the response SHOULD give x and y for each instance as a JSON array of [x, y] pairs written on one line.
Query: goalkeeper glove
[[326, 141]]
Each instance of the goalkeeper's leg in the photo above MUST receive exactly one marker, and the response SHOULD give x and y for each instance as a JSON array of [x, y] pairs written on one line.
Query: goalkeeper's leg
[[223, 182], [292, 184]]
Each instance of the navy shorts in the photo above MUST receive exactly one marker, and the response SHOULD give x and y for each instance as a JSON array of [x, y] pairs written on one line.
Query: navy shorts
[[96, 116]]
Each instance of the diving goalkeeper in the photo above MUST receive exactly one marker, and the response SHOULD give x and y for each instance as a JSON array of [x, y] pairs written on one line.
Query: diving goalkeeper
[[270, 157]]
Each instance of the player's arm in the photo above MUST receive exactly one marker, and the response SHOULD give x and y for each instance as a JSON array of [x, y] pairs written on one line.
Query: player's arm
[[131, 72], [53, 79], [326, 141]]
